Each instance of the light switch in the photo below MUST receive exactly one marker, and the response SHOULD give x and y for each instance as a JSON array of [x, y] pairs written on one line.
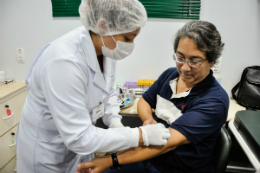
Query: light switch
[[20, 55], [217, 67]]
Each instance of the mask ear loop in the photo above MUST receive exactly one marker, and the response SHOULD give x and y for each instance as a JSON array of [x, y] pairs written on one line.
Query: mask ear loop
[[102, 41], [110, 34], [113, 38]]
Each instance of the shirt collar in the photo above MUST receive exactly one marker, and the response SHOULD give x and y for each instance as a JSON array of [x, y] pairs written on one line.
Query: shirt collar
[[198, 88], [204, 84], [173, 85]]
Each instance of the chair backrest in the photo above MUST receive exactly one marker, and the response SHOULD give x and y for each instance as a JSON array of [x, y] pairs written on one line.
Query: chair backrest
[[221, 151]]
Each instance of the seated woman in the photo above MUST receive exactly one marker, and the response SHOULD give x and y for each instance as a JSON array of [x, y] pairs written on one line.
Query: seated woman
[[189, 101]]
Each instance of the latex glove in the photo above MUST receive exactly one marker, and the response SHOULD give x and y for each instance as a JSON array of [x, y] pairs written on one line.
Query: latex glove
[[115, 123], [155, 134], [149, 121]]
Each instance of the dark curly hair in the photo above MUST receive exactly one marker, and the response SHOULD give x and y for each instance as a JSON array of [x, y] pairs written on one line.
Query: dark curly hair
[[206, 35]]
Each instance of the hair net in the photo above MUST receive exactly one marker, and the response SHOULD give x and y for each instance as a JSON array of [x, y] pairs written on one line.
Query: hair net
[[111, 17]]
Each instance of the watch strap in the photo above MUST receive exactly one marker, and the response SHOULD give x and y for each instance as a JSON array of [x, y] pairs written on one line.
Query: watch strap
[[116, 165]]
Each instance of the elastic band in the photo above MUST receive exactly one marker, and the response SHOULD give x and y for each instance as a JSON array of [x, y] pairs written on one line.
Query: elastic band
[[102, 41], [113, 38]]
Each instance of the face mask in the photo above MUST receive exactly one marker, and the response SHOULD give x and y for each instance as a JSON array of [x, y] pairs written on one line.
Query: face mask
[[121, 51]]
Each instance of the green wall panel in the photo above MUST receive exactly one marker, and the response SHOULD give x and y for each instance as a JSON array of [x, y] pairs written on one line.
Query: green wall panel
[[176, 9]]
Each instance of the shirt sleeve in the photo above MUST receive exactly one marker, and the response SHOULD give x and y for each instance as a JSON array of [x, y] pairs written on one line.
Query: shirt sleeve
[[150, 96], [203, 119], [64, 84]]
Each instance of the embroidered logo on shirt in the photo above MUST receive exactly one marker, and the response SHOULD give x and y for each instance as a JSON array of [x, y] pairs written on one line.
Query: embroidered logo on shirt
[[112, 76], [182, 105]]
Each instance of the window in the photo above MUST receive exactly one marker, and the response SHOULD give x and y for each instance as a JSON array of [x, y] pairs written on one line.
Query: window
[[65, 8], [175, 9]]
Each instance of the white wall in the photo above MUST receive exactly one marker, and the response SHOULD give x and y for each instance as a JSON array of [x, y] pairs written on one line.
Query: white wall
[[29, 24], [239, 24]]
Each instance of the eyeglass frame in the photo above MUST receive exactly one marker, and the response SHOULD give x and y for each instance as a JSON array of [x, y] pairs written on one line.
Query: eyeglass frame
[[200, 62]]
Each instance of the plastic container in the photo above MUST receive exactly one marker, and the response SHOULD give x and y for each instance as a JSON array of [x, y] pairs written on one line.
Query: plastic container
[[146, 84], [13, 138], [119, 87], [140, 83], [8, 111], [130, 85], [139, 92], [130, 98], [133, 85]]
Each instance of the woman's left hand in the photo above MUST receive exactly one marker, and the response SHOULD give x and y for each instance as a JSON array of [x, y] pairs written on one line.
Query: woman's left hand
[[98, 165]]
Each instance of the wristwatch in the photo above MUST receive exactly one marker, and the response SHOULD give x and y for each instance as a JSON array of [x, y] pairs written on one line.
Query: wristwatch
[[115, 162]]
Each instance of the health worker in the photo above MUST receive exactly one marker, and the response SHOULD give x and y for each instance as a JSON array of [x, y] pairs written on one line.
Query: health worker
[[71, 84]]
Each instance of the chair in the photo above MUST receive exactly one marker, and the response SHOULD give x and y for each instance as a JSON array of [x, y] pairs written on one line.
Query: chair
[[221, 151]]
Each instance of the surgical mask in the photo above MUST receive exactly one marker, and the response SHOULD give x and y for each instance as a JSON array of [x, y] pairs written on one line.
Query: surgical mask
[[121, 51]]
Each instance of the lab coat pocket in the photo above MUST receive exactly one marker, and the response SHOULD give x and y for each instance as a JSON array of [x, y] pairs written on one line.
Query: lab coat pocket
[[51, 146], [46, 135]]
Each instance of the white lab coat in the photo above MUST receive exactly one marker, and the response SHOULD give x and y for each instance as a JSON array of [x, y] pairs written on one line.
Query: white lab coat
[[65, 84]]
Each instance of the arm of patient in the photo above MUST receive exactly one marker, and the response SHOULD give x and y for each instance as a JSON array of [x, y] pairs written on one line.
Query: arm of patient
[[135, 154], [145, 111]]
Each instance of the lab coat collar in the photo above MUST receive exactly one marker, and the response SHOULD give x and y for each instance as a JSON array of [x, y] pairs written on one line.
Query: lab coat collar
[[99, 79], [110, 72], [88, 48], [109, 68], [102, 80]]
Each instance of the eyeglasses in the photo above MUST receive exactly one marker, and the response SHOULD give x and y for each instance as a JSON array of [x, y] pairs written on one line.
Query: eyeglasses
[[192, 63]]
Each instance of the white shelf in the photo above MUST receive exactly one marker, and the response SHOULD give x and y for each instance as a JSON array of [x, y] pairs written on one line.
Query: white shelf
[[254, 161]]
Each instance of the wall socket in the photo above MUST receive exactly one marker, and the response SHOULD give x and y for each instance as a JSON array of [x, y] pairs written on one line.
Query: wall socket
[[20, 55], [217, 67]]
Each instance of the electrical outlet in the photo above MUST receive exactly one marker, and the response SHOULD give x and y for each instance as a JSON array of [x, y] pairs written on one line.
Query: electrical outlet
[[20, 55], [217, 67]]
